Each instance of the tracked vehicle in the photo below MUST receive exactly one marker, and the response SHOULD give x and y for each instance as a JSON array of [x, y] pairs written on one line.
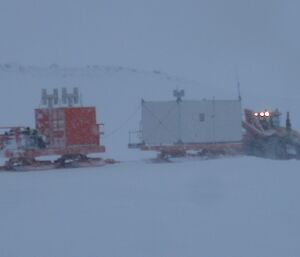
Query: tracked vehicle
[[265, 137]]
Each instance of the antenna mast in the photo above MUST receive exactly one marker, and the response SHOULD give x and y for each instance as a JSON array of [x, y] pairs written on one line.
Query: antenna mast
[[238, 84], [239, 90], [178, 94]]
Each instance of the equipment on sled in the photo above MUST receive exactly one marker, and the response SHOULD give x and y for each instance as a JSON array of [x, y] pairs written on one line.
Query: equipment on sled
[[179, 127], [63, 127]]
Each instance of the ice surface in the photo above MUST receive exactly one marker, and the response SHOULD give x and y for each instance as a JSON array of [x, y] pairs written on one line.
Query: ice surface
[[229, 207]]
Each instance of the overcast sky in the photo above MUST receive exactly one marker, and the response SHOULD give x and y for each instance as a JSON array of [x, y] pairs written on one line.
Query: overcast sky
[[203, 40]]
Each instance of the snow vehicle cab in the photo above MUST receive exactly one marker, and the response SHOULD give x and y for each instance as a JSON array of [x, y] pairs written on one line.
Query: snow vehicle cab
[[265, 137]]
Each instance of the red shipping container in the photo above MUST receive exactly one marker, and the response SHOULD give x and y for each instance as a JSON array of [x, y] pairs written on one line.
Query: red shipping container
[[80, 126], [68, 126]]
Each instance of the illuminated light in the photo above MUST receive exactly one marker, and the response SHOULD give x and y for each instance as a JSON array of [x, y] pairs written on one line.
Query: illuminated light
[[262, 114], [267, 114], [255, 114]]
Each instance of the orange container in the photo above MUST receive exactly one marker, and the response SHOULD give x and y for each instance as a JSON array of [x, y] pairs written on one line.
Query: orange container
[[68, 126]]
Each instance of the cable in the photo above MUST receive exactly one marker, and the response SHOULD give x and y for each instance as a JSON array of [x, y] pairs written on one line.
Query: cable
[[117, 129], [160, 122]]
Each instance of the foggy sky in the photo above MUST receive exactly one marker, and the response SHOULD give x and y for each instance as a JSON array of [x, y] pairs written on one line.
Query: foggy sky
[[211, 41]]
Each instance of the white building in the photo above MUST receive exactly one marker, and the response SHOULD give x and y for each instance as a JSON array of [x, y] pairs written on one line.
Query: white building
[[191, 122]]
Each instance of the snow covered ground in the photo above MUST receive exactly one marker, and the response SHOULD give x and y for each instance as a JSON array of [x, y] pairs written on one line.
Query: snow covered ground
[[226, 207]]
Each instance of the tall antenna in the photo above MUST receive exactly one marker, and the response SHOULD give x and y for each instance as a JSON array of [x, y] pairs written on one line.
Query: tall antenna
[[178, 94], [238, 84], [239, 90]]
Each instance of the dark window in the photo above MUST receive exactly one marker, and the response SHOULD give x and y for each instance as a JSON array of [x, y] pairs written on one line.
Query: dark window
[[202, 117]]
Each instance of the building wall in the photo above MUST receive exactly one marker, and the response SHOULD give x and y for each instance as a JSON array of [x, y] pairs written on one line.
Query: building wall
[[205, 121]]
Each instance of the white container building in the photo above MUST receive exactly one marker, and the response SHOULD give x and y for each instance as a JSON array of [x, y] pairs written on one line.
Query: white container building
[[191, 122]]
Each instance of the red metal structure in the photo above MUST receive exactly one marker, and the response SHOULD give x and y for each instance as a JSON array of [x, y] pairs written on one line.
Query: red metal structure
[[63, 128], [201, 150], [69, 127], [207, 150]]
